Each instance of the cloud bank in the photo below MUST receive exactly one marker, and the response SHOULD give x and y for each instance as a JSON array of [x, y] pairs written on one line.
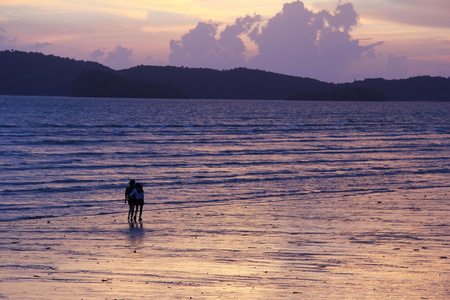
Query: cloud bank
[[296, 41], [200, 47]]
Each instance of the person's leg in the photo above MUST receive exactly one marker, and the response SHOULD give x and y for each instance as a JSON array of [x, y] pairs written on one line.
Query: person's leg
[[140, 212], [136, 211], [130, 211]]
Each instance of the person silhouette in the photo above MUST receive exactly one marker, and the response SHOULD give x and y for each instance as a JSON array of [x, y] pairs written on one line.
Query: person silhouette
[[129, 199], [138, 195]]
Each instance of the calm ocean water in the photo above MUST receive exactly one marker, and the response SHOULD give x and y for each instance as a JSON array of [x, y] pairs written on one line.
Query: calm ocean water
[[69, 156]]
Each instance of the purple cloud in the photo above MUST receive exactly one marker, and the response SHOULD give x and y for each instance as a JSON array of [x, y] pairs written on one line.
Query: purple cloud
[[200, 47], [300, 42], [7, 43], [3, 41], [37, 46], [197, 48], [120, 58], [97, 54], [397, 67], [232, 47], [296, 41]]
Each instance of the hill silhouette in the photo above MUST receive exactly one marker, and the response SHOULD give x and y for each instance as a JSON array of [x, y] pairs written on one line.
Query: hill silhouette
[[420, 88], [96, 83], [240, 83], [24, 73]]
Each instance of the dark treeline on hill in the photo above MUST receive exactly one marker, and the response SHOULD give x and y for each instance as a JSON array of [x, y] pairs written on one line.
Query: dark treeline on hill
[[421, 88], [106, 84], [238, 83], [23, 73]]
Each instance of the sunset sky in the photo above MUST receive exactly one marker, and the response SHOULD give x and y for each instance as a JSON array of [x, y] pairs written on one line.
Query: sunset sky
[[328, 40]]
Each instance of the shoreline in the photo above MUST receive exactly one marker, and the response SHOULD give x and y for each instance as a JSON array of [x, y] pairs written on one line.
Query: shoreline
[[381, 245]]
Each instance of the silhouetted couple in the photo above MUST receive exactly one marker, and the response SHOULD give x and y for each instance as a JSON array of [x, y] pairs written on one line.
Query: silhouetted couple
[[134, 195]]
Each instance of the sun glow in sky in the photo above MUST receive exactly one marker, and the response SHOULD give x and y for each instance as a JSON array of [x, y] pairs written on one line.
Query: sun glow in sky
[[329, 40]]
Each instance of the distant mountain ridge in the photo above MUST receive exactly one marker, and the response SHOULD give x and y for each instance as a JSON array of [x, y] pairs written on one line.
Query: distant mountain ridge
[[24, 73], [238, 83]]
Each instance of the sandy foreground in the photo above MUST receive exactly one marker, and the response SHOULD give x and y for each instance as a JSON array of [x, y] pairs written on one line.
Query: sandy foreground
[[391, 245]]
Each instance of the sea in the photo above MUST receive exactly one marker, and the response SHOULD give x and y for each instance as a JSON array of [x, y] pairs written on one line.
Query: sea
[[62, 157]]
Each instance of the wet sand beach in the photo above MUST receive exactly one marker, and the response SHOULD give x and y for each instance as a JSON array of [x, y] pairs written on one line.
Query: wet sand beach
[[375, 246]]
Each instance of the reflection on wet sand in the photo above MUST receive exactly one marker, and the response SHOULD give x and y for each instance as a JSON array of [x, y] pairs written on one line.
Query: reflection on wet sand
[[136, 234]]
